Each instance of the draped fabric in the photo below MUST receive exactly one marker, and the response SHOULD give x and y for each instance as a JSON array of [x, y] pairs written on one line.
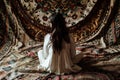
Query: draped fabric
[[24, 23]]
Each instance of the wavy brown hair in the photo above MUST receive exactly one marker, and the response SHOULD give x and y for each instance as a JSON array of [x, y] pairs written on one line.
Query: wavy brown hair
[[60, 32]]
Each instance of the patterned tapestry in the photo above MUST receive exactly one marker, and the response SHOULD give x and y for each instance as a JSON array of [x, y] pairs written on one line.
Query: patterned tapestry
[[94, 24]]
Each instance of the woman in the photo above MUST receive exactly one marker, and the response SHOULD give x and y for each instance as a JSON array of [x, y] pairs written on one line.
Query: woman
[[58, 55]]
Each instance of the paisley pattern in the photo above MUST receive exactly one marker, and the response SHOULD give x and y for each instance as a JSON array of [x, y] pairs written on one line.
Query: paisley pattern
[[83, 26], [74, 11], [95, 25]]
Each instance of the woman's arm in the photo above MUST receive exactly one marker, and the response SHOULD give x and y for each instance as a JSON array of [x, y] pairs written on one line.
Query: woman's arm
[[45, 45], [72, 47]]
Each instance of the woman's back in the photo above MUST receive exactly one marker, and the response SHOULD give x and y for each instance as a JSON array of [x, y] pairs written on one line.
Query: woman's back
[[58, 49], [58, 63]]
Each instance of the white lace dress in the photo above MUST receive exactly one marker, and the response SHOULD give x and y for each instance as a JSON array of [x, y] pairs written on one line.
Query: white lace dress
[[65, 62]]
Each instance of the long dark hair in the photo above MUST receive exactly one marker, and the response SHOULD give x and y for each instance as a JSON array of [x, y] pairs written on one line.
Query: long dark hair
[[60, 32]]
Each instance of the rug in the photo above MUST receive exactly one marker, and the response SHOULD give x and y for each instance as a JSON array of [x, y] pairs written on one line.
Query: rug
[[95, 25], [80, 76], [23, 66], [47, 76]]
